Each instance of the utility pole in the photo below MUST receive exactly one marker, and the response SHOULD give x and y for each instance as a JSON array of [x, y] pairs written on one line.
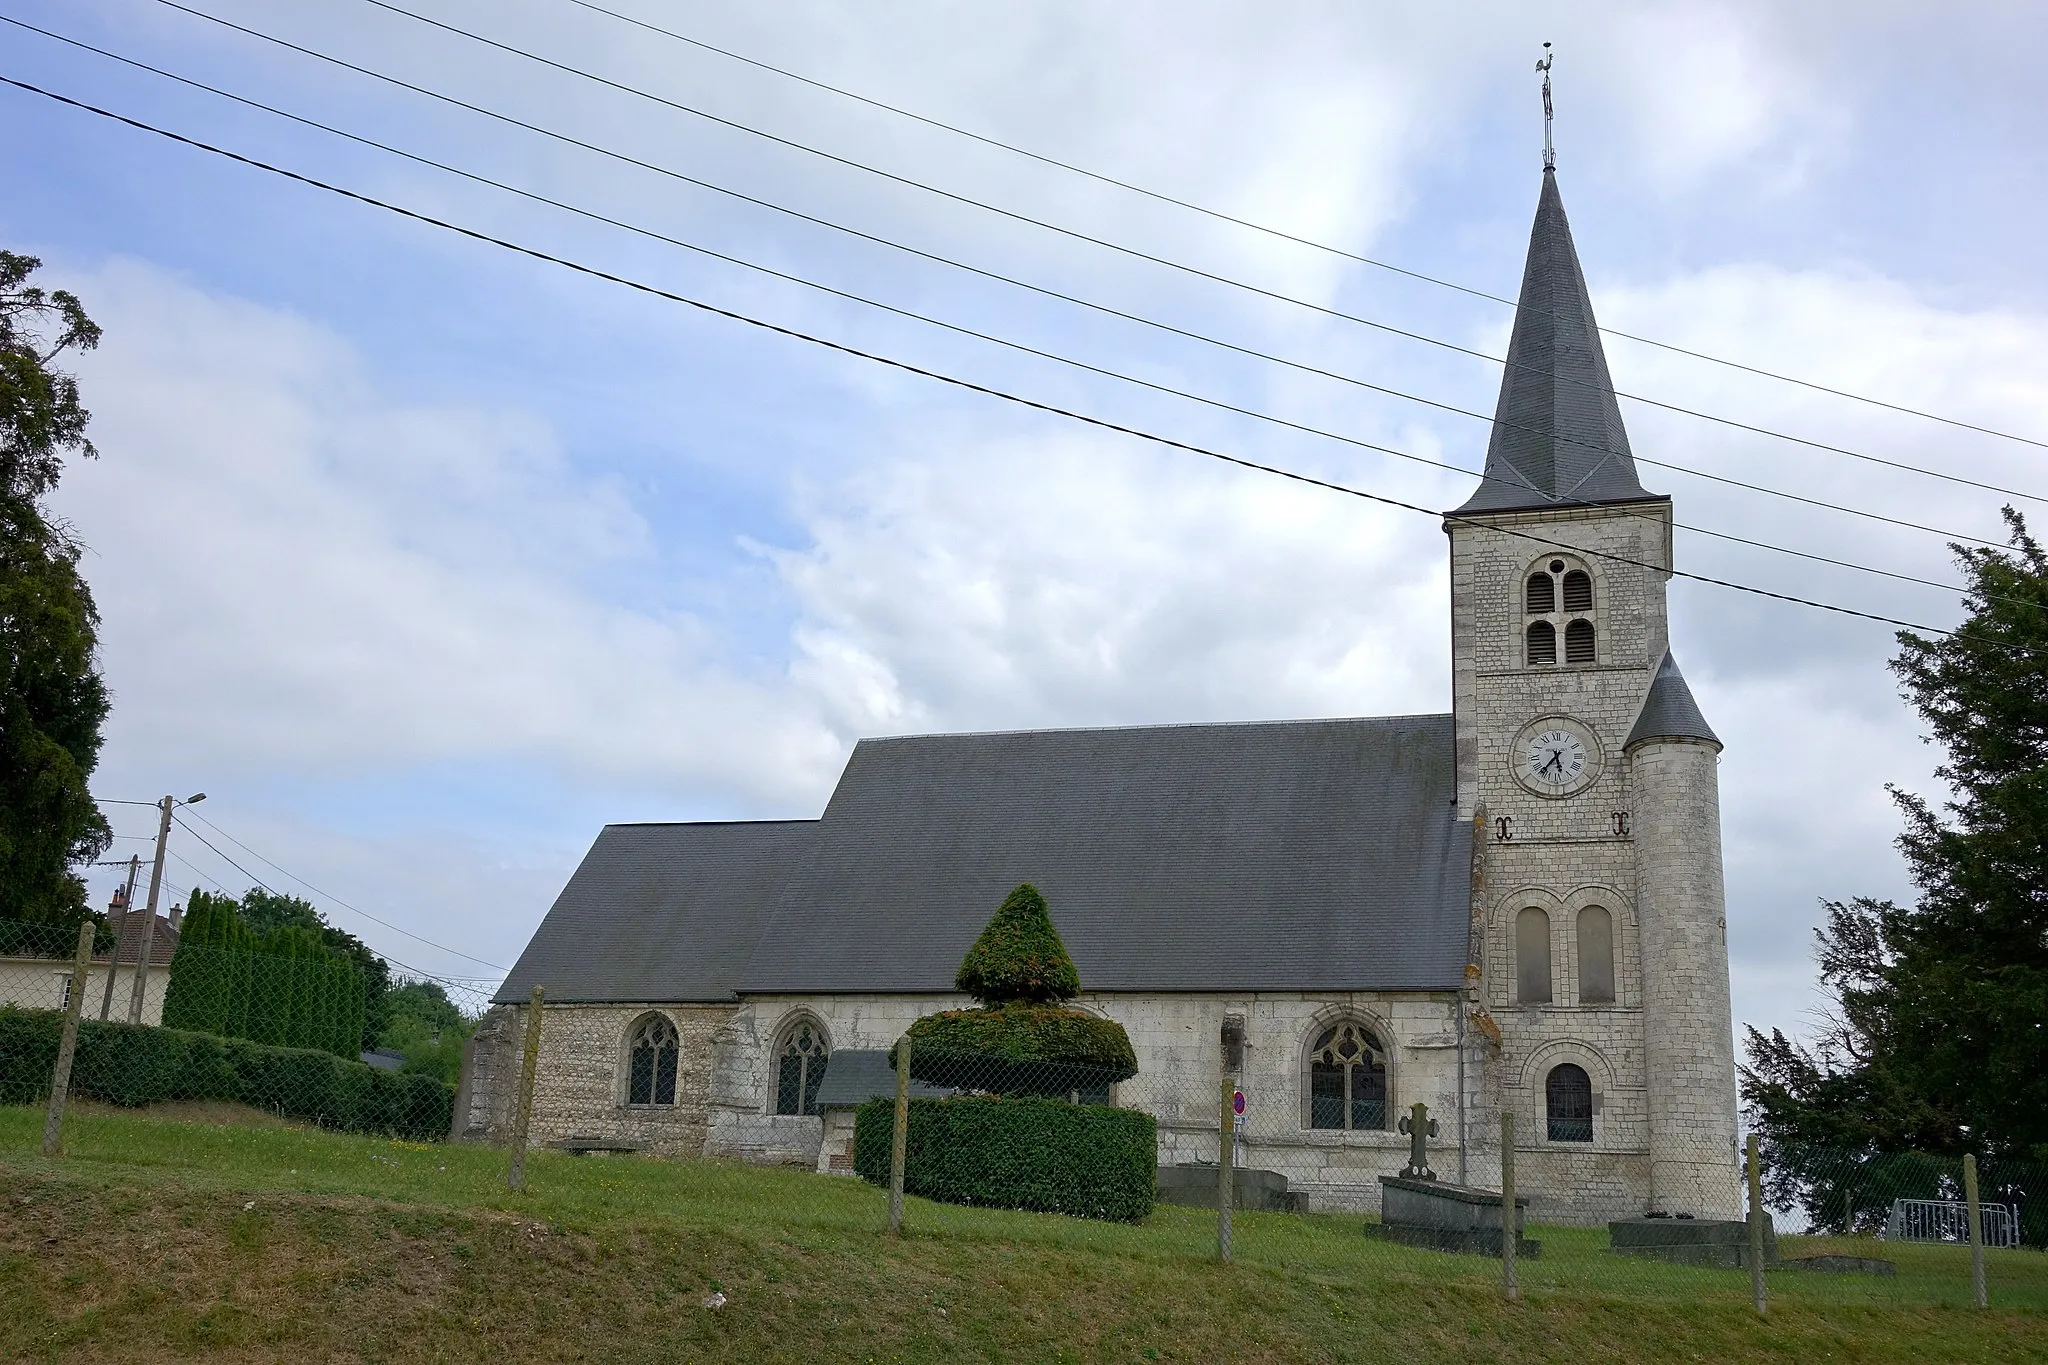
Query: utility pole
[[114, 953], [156, 882]]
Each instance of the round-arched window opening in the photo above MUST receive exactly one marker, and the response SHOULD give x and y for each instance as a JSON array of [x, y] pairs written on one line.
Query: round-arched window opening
[[1568, 1104], [651, 1058], [1347, 1079], [1541, 594], [1578, 643], [1542, 644], [1578, 591], [800, 1069]]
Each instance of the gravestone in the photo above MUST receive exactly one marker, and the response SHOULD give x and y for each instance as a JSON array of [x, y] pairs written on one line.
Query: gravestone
[[1418, 1210]]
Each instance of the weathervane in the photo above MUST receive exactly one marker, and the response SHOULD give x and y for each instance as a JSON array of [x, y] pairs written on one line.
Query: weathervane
[[1549, 151]]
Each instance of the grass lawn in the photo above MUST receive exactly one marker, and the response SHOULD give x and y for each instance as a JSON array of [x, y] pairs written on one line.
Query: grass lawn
[[190, 1234]]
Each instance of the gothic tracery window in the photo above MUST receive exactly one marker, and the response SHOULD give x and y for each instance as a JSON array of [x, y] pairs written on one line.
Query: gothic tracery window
[[1568, 1104], [800, 1068], [1347, 1078], [651, 1058]]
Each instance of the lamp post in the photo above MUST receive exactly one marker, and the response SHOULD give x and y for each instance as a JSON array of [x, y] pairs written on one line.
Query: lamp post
[[156, 881]]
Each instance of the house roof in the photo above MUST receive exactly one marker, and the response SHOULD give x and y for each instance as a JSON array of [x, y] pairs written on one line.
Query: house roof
[[1557, 431], [853, 1078], [660, 912], [1298, 855], [1669, 711]]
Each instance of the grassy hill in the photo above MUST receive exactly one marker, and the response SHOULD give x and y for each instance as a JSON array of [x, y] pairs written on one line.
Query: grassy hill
[[174, 1237]]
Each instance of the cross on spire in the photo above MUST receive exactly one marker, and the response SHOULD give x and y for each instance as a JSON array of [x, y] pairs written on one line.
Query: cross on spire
[[1549, 151]]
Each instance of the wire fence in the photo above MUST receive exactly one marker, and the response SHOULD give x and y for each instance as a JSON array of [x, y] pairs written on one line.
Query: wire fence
[[1546, 1201], [142, 1014]]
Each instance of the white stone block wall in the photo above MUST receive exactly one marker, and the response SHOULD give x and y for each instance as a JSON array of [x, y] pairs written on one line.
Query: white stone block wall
[[1690, 1038]]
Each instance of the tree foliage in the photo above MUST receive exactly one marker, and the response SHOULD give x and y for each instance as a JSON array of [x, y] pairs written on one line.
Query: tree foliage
[[1939, 1038], [1019, 956], [52, 700], [272, 977]]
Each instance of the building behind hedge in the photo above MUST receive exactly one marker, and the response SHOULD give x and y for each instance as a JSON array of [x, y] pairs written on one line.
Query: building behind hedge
[[1516, 905]]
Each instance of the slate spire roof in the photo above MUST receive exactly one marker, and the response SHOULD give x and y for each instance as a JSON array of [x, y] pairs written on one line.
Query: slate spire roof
[[1669, 712], [1557, 432]]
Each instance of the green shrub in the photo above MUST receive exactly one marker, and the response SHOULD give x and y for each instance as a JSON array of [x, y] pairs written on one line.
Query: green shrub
[[1020, 1050], [136, 1064], [1019, 956], [1088, 1160]]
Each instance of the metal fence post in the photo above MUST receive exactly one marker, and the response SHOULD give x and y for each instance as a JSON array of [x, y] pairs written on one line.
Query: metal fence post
[[899, 1136], [60, 1077], [522, 1112], [1226, 1186], [1756, 1228], [1976, 1229], [1510, 1230]]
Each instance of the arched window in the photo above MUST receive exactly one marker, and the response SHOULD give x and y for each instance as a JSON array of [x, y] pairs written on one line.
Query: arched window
[[1596, 956], [1542, 643], [799, 1067], [1542, 596], [1347, 1078], [1532, 957], [1568, 1104], [1578, 642], [1578, 591], [651, 1061]]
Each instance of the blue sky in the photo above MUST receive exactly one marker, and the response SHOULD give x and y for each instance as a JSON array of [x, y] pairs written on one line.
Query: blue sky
[[425, 560]]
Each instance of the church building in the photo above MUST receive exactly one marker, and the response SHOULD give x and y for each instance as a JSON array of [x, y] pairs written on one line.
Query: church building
[[1512, 907]]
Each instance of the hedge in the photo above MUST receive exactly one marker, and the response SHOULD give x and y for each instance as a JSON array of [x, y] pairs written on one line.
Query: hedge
[[1020, 1050], [1088, 1160], [1019, 956], [285, 988], [136, 1064]]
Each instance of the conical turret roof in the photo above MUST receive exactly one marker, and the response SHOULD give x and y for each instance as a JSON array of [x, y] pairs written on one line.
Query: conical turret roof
[[1669, 711], [1557, 432]]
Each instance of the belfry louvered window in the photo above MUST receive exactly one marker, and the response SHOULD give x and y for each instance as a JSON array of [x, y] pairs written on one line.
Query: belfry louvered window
[[1578, 642], [1542, 595], [1542, 643], [1578, 591]]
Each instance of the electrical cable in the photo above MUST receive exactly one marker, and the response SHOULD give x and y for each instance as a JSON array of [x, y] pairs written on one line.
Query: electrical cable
[[1053, 356], [1280, 233], [971, 386], [330, 896], [1134, 252]]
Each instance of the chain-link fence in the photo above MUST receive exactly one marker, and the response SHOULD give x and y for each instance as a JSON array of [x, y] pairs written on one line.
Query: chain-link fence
[[1408, 1196], [154, 1015]]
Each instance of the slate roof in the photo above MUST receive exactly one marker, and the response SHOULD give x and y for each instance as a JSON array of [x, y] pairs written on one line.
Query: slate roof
[[1557, 433], [660, 912], [1669, 711], [1299, 855], [853, 1078]]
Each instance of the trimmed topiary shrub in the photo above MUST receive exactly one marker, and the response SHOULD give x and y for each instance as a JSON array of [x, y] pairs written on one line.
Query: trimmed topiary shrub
[[135, 1064], [1020, 1050], [1019, 956], [1088, 1160]]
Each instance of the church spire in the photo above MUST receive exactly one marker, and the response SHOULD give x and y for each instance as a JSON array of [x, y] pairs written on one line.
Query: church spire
[[1557, 432]]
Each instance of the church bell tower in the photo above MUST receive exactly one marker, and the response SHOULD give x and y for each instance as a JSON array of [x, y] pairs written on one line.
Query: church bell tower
[[1599, 929]]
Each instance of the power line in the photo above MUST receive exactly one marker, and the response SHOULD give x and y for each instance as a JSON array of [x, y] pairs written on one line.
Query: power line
[[1032, 350], [1280, 233], [971, 386], [465, 984], [1139, 254], [328, 895]]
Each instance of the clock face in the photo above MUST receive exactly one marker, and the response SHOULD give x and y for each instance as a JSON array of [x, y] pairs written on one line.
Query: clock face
[[1556, 757]]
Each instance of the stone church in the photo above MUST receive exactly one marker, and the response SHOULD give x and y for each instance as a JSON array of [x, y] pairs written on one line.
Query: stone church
[[1515, 906]]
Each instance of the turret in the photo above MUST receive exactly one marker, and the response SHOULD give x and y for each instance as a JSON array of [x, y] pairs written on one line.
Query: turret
[[1689, 1042]]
